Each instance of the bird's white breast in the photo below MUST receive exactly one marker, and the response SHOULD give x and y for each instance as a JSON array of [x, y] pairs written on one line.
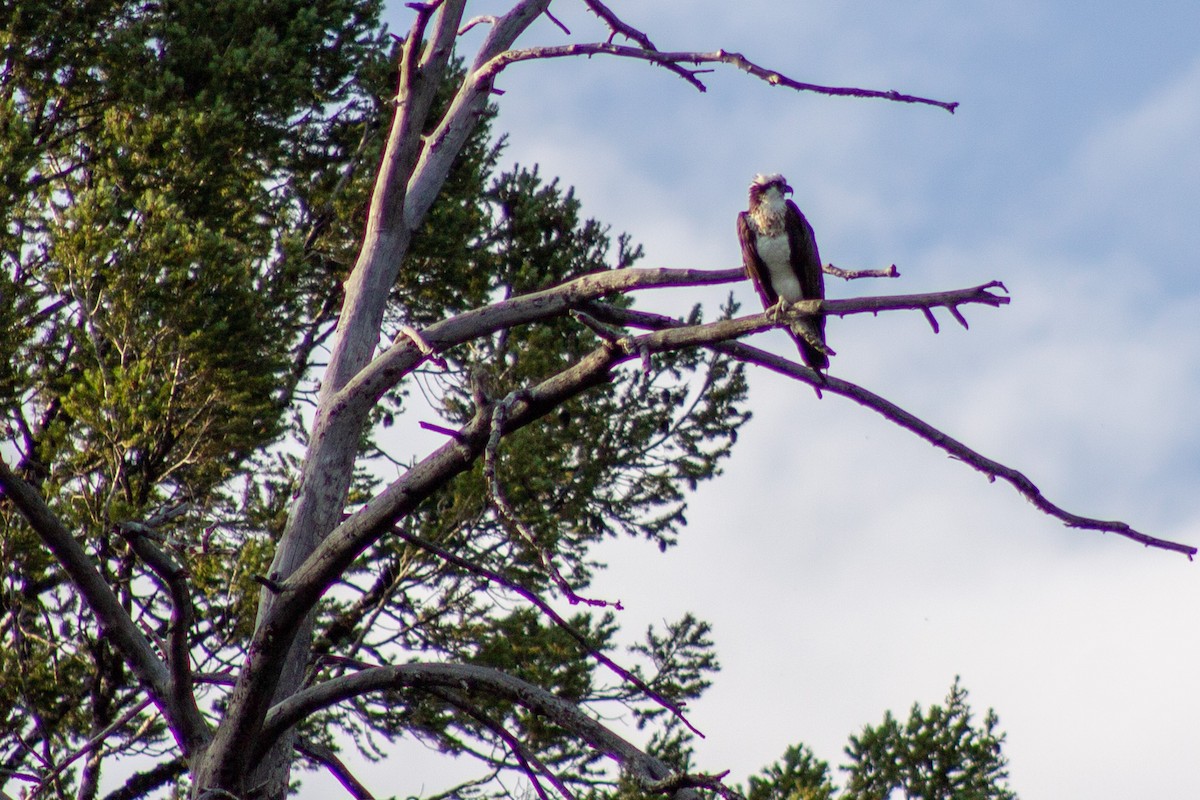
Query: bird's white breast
[[771, 240], [776, 254]]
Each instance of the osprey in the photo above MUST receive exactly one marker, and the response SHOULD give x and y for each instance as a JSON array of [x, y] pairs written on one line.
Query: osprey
[[779, 251]]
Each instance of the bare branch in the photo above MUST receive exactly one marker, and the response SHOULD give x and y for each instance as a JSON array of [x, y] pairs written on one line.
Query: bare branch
[[360, 530], [983, 294], [302, 589], [530, 764], [373, 381], [506, 29], [992, 469], [329, 759], [392, 215], [618, 27], [493, 67], [556, 21], [443, 144], [931, 319], [646, 769], [91, 744], [509, 515], [904, 419], [483, 19], [423, 346], [852, 274]]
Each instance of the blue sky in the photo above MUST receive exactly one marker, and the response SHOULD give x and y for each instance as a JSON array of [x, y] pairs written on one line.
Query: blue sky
[[847, 567]]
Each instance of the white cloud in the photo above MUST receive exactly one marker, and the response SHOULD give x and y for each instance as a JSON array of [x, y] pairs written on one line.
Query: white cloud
[[1134, 181]]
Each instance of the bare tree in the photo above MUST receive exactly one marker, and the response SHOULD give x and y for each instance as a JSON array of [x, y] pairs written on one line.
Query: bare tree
[[248, 749]]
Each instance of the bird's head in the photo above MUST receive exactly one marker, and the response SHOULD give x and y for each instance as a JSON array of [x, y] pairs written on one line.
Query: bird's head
[[764, 183]]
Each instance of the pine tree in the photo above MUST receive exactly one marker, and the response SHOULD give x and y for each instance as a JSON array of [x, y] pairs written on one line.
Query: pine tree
[[799, 776], [184, 190], [940, 754]]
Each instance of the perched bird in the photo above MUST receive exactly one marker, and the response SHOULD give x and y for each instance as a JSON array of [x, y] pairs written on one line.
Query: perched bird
[[779, 251]]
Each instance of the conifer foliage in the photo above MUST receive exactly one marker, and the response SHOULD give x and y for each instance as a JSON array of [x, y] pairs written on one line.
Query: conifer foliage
[[184, 187], [939, 754]]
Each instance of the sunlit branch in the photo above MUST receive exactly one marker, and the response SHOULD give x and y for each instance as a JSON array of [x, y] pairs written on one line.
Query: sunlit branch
[[392, 365], [382, 374], [482, 19], [853, 274]]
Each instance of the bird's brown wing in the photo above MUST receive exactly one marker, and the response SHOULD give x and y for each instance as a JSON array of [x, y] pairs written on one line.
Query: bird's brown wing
[[756, 270], [806, 262], [806, 259]]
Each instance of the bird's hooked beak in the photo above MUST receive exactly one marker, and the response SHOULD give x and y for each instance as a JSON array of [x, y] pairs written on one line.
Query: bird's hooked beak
[[787, 189]]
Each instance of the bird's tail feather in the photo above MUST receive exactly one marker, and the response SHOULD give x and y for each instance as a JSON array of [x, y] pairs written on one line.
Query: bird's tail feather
[[813, 357]]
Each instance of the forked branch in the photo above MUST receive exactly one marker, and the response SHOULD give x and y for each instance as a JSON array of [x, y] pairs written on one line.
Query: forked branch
[[173, 578], [675, 61], [186, 723]]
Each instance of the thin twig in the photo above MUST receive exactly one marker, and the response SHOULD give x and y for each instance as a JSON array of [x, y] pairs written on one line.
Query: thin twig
[[329, 759], [852, 274], [931, 319], [530, 764], [90, 745], [509, 515], [557, 22], [617, 26], [558, 620]]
